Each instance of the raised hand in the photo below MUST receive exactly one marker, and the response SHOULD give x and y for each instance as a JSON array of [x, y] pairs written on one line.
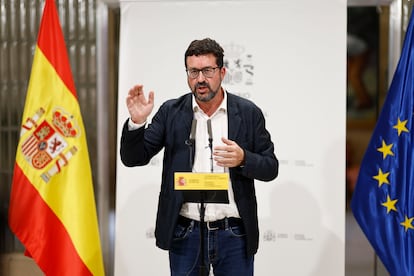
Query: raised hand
[[139, 107]]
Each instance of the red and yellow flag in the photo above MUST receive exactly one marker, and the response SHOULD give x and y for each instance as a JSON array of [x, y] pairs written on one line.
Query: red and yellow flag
[[52, 207]]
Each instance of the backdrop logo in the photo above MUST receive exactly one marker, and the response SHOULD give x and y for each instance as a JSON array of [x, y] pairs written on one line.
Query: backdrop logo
[[239, 64]]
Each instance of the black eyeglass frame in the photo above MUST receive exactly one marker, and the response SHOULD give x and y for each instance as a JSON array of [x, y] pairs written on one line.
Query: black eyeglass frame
[[207, 72]]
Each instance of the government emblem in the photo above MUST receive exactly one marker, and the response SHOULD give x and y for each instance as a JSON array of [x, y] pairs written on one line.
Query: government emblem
[[47, 148]]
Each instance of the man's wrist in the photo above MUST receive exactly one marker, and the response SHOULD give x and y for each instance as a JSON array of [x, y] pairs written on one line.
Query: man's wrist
[[241, 165], [134, 126]]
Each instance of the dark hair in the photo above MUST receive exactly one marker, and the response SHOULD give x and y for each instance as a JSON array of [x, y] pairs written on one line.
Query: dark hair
[[203, 47]]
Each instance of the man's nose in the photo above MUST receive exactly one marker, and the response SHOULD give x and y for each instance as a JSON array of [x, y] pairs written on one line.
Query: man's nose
[[200, 76]]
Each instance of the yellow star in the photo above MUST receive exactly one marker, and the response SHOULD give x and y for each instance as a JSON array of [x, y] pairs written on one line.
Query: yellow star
[[400, 126], [385, 149], [390, 204], [407, 223], [381, 177]]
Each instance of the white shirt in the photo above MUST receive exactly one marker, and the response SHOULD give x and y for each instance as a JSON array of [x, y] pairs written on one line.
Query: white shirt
[[202, 162]]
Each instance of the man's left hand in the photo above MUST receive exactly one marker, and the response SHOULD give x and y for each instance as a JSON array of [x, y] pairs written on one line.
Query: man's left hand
[[229, 155]]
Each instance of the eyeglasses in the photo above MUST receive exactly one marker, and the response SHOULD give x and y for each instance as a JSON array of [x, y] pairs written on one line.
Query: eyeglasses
[[208, 72]]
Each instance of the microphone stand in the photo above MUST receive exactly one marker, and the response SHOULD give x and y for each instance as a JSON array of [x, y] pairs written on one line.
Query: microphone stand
[[203, 196], [203, 269], [210, 143], [191, 145]]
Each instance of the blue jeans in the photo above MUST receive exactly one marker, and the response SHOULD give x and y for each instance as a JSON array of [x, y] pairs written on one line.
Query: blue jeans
[[225, 251]]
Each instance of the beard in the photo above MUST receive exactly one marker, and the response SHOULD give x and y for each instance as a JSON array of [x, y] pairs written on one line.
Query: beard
[[206, 96]]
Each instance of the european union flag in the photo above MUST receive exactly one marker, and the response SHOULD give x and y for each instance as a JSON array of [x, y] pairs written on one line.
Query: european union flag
[[383, 200]]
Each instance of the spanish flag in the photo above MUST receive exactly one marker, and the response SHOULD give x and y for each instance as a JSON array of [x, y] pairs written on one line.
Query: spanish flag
[[52, 207]]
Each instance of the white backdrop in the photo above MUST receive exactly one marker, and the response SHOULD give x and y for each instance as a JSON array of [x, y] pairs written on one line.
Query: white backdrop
[[289, 57]]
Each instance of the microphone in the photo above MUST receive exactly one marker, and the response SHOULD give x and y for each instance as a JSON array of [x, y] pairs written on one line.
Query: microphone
[[210, 133], [191, 142], [210, 143]]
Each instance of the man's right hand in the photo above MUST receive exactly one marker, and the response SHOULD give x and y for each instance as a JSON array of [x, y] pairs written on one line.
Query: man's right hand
[[139, 107]]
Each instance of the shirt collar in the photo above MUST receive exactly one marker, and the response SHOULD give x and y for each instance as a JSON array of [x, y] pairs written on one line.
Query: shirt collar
[[222, 107]]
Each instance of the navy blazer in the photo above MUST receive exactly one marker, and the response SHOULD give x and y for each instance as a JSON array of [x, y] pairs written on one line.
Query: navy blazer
[[170, 128]]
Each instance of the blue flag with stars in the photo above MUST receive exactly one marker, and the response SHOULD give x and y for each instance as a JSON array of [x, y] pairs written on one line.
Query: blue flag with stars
[[383, 200]]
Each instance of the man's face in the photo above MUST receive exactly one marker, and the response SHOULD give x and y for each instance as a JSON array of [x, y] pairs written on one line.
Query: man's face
[[204, 84]]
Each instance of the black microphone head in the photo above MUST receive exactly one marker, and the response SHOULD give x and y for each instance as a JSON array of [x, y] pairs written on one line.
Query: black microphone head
[[193, 130], [210, 132]]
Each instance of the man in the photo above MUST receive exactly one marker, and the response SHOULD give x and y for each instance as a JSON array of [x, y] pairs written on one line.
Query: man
[[242, 147]]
